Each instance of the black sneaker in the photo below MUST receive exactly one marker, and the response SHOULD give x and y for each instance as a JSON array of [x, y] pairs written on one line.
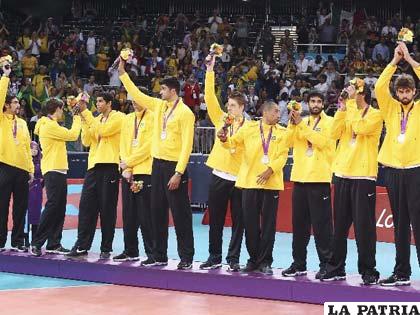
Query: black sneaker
[[148, 262], [250, 267], [209, 264], [19, 249], [292, 271], [77, 252], [59, 250], [395, 280], [35, 251], [370, 278], [234, 266], [266, 270], [105, 255], [333, 276], [125, 257], [322, 271], [184, 265]]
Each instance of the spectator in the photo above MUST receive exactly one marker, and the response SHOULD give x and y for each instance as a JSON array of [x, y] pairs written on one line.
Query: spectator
[[214, 22], [241, 28], [381, 49], [322, 86], [302, 64], [284, 115], [389, 29], [29, 64]]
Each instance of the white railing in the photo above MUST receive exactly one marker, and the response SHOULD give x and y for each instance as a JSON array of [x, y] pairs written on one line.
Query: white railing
[[203, 140], [314, 47]]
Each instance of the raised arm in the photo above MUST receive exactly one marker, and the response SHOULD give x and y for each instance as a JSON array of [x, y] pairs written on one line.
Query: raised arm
[[61, 133], [382, 92], [140, 98], [4, 85], [112, 126], [213, 107]]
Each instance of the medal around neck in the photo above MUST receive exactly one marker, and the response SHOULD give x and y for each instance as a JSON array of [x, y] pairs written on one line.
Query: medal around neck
[[401, 138], [163, 135], [353, 142], [309, 152], [265, 159]]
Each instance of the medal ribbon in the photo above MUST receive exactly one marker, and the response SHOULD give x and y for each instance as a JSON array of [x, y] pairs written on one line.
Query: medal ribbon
[[353, 135], [14, 130], [165, 118], [265, 143], [137, 125], [240, 125], [103, 121], [404, 119], [316, 125]]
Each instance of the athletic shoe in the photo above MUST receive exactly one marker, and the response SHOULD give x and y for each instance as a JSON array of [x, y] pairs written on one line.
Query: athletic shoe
[[19, 249], [321, 273], [77, 252], [234, 267], [209, 264], [333, 276], [292, 271], [395, 280], [2, 249], [59, 250], [35, 251], [150, 262], [105, 255], [370, 278], [266, 270], [184, 265], [250, 267], [125, 257]]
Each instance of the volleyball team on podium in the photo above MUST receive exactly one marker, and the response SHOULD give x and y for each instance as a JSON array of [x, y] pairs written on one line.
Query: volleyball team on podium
[[152, 146]]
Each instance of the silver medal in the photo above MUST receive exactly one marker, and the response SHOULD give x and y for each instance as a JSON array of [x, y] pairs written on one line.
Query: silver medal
[[232, 151], [134, 143], [309, 152], [401, 138], [353, 142], [163, 135], [265, 159]]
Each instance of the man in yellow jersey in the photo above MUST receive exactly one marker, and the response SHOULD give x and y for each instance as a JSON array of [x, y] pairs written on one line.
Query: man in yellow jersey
[[101, 185], [172, 140], [260, 177], [54, 168], [225, 164], [136, 163], [400, 152], [357, 126], [313, 154], [16, 167]]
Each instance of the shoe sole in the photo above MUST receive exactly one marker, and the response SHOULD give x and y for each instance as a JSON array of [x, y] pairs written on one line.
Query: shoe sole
[[55, 252], [155, 264], [19, 250], [233, 269], [185, 268], [396, 284], [217, 266], [296, 274], [337, 278], [127, 259]]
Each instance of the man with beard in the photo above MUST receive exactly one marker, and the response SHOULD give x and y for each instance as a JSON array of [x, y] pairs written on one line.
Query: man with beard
[[400, 152], [357, 126], [16, 167], [313, 153]]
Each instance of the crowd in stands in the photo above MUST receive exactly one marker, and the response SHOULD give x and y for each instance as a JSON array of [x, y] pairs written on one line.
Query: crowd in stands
[[52, 61]]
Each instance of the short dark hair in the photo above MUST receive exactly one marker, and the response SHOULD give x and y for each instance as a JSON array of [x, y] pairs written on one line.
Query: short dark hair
[[267, 105], [404, 81], [8, 100], [106, 96], [171, 83], [315, 93], [52, 104], [367, 94], [239, 97]]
